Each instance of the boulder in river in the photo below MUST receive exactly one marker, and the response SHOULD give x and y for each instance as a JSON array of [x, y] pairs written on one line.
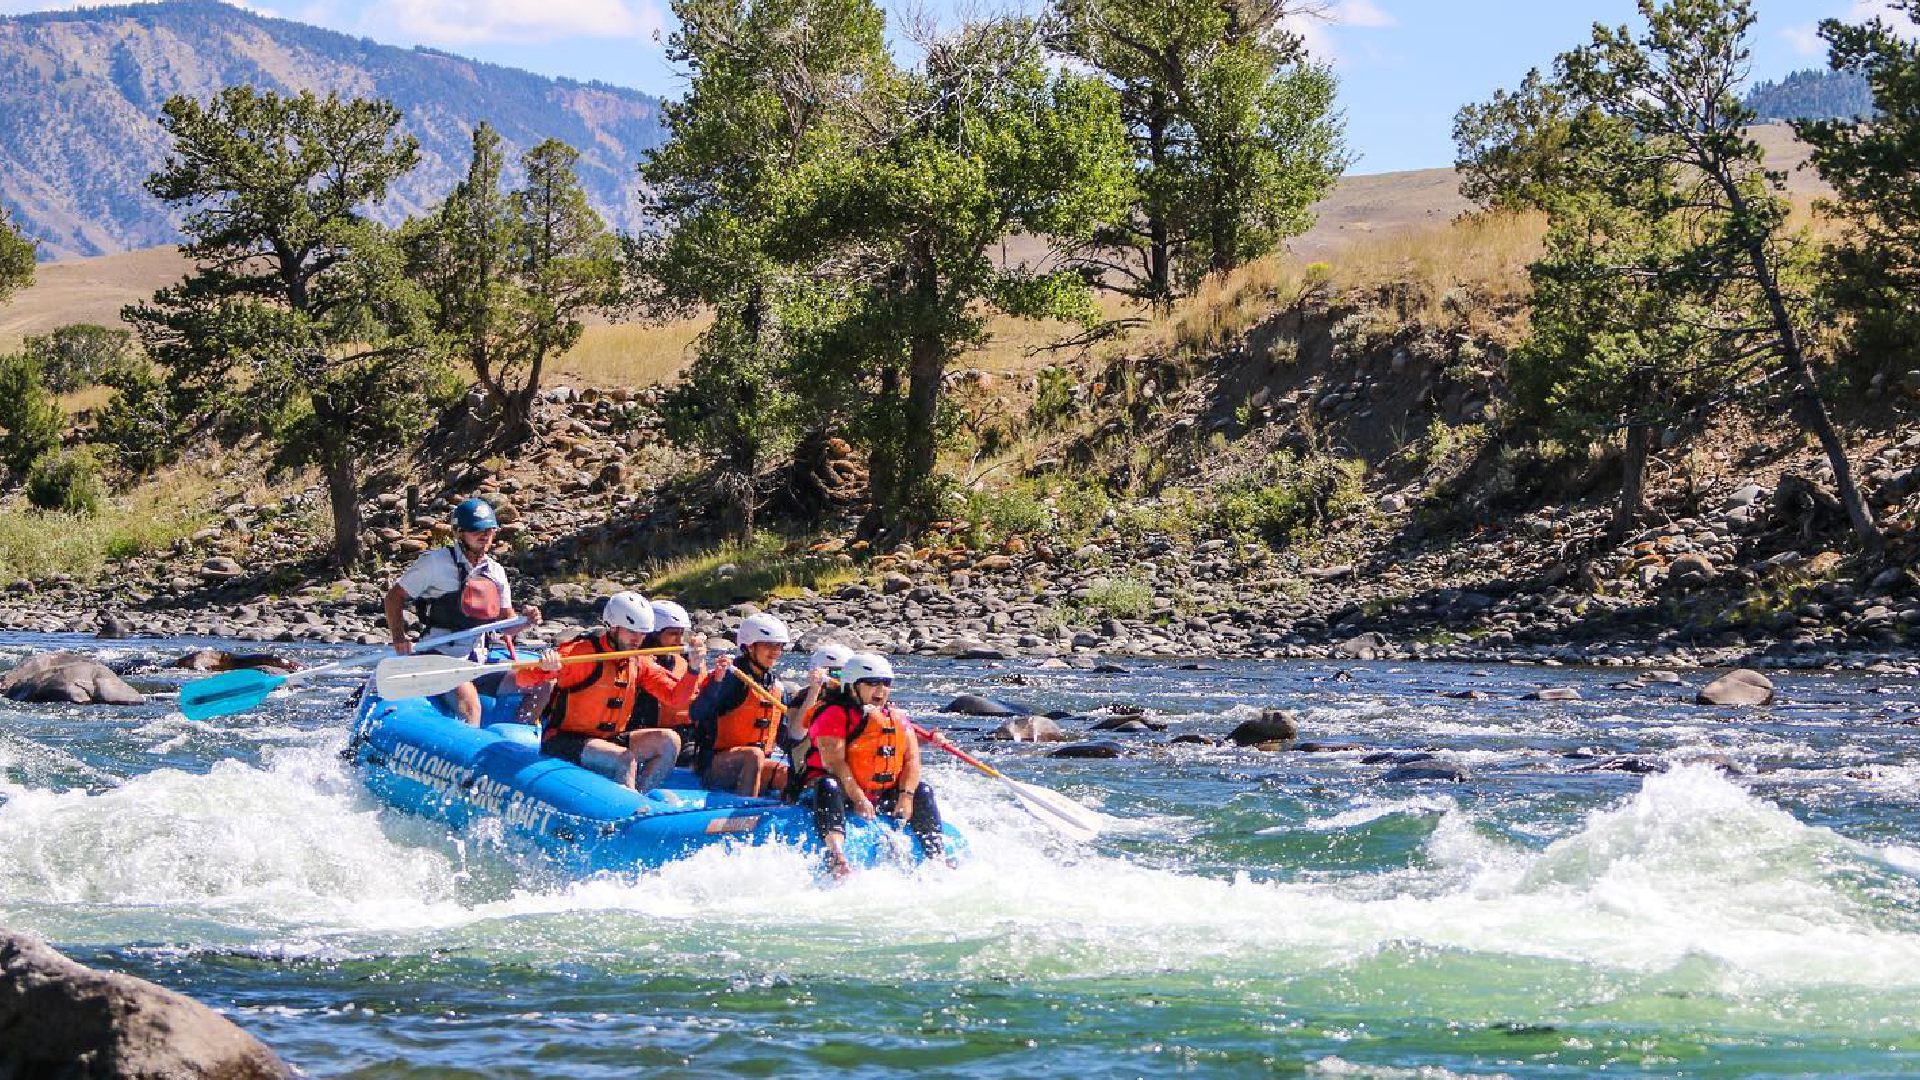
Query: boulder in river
[[1741, 686], [975, 705], [62, 1019], [1365, 646], [68, 677], [1126, 725], [1428, 768], [1274, 725], [1030, 729], [1101, 749], [1191, 739], [1555, 693]]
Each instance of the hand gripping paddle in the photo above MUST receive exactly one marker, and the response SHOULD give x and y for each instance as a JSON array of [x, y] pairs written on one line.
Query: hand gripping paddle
[[424, 676]]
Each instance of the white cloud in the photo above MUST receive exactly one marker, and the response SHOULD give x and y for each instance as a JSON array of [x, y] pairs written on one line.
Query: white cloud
[[1317, 30], [1360, 13], [1805, 39], [1862, 10], [466, 22]]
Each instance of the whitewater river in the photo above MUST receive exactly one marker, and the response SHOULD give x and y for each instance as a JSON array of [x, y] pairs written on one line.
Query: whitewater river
[[1247, 913]]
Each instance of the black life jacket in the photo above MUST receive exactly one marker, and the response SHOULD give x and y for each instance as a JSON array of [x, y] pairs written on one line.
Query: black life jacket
[[475, 602]]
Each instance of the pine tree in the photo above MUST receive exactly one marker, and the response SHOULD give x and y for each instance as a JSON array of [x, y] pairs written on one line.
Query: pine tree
[[298, 320]]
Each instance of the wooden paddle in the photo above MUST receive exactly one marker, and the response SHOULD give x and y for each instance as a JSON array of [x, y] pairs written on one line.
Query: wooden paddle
[[237, 691], [424, 676], [1049, 807]]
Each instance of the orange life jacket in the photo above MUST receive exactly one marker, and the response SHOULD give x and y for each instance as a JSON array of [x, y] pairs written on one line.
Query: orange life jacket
[[753, 722], [877, 748], [652, 712], [600, 706]]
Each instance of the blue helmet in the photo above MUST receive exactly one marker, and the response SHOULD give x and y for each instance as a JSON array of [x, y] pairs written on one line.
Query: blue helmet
[[474, 515]]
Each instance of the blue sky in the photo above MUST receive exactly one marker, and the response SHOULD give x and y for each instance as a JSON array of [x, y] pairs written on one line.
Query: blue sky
[[1405, 65]]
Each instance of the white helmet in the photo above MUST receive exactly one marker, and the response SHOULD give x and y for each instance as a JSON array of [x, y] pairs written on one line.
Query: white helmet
[[862, 666], [629, 611], [668, 615], [832, 656], [760, 629]]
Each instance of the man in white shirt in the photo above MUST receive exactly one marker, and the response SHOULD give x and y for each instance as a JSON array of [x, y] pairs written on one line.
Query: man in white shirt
[[456, 587]]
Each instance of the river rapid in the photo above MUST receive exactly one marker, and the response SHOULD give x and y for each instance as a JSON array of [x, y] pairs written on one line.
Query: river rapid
[[1244, 913]]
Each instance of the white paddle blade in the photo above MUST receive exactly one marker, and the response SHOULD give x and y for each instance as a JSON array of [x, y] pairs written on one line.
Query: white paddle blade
[[424, 676], [1055, 809]]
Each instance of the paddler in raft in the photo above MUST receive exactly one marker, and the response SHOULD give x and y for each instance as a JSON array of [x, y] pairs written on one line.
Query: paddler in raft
[[823, 681], [457, 587], [738, 716], [588, 719], [673, 627], [866, 757]]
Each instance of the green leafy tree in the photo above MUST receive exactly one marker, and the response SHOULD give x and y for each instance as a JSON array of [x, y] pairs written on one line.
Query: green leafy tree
[[1232, 131], [1512, 151], [31, 423], [511, 274], [80, 355], [298, 321], [16, 258], [980, 143], [1874, 270], [1690, 234], [772, 85]]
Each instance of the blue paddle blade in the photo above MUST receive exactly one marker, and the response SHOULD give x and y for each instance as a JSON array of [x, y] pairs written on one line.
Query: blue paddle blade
[[227, 693]]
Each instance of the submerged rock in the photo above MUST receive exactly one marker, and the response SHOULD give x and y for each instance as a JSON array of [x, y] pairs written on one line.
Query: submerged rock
[[975, 705], [1428, 768], [1101, 749], [62, 1019], [68, 677], [221, 660], [1739, 687]]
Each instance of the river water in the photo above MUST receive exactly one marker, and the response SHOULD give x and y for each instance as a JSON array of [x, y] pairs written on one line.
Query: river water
[[1245, 912]]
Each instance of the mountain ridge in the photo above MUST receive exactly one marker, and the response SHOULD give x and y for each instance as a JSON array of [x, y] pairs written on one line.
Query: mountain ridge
[[80, 93]]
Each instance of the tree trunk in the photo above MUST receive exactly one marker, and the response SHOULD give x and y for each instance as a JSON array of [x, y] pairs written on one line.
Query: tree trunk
[[926, 365], [1159, 248], [883, 463], [1812, 408], [343, 494], [1633, 480]]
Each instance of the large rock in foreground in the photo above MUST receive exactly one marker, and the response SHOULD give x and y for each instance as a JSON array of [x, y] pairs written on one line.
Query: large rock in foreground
[[1739, 687], [65, 1021], [68, 677]]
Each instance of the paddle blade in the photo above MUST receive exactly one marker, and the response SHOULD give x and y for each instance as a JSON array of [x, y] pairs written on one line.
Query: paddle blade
[[425, 675], [1056, 810], [227, 693]]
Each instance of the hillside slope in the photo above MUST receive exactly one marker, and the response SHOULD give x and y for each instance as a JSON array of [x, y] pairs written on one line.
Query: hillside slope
[[80, 91]]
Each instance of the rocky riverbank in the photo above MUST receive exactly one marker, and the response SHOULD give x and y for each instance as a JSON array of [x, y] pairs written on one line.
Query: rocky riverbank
[[1760, 574]]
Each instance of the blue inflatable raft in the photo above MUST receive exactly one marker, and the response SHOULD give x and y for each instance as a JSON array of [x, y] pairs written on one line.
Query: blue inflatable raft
[[423, 760]]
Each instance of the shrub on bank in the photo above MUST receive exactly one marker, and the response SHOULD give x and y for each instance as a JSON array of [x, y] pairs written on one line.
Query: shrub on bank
[[67, 481]]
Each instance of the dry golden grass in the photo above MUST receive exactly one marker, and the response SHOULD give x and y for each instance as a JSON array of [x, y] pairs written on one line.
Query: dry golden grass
[[631, 354]]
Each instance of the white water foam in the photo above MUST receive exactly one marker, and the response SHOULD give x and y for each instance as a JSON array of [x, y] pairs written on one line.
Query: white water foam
[[1690, 867]]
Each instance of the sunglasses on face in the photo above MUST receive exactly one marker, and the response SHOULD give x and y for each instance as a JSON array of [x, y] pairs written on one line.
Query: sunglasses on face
[[875, 682]]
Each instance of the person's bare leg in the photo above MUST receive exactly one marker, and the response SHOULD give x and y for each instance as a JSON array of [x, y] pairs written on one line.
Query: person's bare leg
[[466, 704], [609, 759], [659, 749], [752, 765]]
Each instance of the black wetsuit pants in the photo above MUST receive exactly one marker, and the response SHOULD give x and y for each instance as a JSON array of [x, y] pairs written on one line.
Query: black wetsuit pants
[[830, 811]]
